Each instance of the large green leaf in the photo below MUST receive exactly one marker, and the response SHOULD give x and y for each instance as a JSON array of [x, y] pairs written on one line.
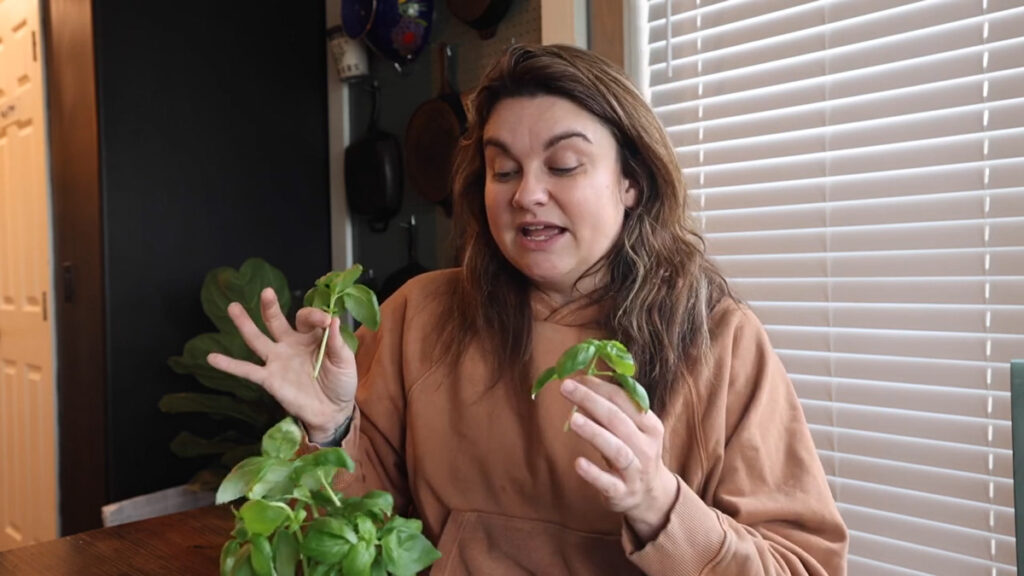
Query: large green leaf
[[216, 404], [615, 354], [193, 362], [324, 546], [274, 481], [225, 285], [188, 445], [635, 391], [359, 559]]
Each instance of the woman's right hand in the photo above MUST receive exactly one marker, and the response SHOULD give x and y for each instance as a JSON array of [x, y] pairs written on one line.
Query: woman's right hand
[[288, 356]]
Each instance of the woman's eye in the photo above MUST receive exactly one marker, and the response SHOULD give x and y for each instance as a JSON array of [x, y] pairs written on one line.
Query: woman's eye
[[503, 175], [563, 170]]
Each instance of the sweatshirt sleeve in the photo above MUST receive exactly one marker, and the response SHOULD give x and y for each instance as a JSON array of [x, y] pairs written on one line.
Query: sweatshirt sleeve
[[764, 507]]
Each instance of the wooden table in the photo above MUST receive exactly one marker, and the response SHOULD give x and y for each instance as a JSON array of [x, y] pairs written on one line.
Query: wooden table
[[187, 543]]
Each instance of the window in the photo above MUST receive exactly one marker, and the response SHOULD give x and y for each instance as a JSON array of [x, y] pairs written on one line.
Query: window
[[855, 167]]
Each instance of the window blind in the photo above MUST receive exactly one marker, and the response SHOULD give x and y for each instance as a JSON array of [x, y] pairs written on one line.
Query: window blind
[[856, 169]]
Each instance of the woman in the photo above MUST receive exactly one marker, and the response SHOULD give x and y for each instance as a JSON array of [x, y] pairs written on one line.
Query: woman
[[571, 218]]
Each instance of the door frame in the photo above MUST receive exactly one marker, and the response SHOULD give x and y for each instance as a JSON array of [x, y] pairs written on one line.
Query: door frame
[[78, 262]]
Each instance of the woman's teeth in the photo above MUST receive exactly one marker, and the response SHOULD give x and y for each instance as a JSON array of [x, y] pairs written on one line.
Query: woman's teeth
[[541, 232]]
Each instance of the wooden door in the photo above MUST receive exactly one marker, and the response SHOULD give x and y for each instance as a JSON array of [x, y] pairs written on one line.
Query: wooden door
[[28, 463]]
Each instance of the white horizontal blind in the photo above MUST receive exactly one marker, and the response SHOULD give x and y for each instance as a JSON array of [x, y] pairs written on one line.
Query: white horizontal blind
[[856, 168]]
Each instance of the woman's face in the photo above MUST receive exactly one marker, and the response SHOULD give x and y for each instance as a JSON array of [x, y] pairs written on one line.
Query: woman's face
[[555, 193]]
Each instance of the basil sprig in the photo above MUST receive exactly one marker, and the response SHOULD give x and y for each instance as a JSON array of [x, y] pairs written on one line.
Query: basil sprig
[[337, 292], [584, 357]]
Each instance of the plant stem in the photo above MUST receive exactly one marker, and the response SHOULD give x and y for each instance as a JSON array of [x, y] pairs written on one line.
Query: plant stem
[[320, 355], [330, 491]]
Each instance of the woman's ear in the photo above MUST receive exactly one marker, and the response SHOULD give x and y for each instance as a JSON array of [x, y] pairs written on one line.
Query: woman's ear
[[628, 193]]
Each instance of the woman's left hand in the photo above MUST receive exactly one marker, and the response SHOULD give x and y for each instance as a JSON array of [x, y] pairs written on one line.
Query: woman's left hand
[[636, 482]]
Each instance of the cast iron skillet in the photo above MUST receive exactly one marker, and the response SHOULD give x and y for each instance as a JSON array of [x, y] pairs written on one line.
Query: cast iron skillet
[[431, 137], [373, 173]]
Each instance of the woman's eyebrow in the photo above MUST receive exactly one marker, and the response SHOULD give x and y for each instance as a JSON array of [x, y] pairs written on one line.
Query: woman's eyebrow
[[562, 136], [495, 143]]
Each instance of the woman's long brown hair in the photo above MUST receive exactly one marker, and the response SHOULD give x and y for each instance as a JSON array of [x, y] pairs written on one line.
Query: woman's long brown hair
[[660, 286]]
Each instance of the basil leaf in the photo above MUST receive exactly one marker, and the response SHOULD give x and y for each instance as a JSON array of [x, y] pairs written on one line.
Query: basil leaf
[[376, 504], [359, 559], [243, 564], [262, 517], [240, 479], [286, 553], [282, 440], [334, 456], [324, 546], [635, 391], [349, 337], [545, 377], [378, 568], [615, 354], [273, 481], [406, 552], [227, 556], [575, 358], [262, 556], [344, 280], [335, 526], [362, 303]]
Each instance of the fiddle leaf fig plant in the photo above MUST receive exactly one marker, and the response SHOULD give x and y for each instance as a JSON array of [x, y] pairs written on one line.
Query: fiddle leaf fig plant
[[584, 357], [294, 517], [240, 410], [336, 292]]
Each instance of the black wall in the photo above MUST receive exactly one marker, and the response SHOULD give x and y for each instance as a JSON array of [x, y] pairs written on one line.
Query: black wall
[[213, 148]]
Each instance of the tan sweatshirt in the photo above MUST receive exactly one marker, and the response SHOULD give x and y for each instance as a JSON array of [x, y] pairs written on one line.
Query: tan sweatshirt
[[490, 472]]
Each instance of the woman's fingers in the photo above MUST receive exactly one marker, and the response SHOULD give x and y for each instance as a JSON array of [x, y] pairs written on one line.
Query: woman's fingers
[[338, 353], [276, 323], [647, 422], [609, 485], [309, 319], [235, 367], [619, 455], [604, 411], [256, 340]]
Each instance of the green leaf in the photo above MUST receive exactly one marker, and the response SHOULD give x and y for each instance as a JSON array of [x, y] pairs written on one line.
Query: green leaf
[[274, 481], [319, 297], [262, 557], [188, 445], [282, 441], [216, 404], [575, 359], [377, 504], [323, 570], [240, 479], [227, 556], [225, 285], [286, 553], [407, 551], [359, 559], [399, 523], [336, 526], [262, 517], [545, 377], [193, 362], [335, 457], [243, 565], [324, 546], [635, 391], [361, 302], [349, 337], [366, 529], [346, 279], [615, 354], [378, 568]]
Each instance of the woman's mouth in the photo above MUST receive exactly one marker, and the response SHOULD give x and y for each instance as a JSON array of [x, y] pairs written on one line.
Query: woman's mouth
[[540, 232]]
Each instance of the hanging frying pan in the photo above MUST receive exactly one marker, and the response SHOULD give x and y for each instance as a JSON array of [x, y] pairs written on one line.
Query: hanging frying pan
[[431, 137], [480, 15], [373, 173]]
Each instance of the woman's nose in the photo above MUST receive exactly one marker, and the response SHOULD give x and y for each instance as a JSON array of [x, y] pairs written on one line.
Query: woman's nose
[[532, 191]]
